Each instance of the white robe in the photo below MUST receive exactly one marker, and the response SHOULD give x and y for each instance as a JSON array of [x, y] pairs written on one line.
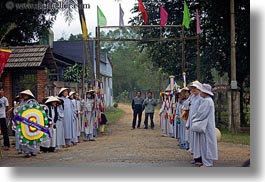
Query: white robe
[[204, 125], [59, 127], [195, 101], [90, 116]]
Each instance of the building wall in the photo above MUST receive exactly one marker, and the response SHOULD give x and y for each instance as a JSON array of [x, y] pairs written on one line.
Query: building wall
[[7, 85], [42, 82]]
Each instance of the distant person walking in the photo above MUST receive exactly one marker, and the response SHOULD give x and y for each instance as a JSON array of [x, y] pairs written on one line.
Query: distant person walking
[[137, 107], [149, 104]]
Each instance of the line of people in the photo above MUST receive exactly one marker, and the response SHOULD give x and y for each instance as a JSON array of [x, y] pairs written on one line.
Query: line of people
[[71, 119], [188, 115]]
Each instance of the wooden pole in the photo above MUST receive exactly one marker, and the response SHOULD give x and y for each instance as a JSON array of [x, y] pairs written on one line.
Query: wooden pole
[[198, 59], [98, 53], [183, 49]]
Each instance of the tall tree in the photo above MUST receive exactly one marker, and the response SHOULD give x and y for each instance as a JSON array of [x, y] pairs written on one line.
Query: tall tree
[[32, 23]]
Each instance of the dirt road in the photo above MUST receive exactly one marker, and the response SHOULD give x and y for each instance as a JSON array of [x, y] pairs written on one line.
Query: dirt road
[[122, 147]]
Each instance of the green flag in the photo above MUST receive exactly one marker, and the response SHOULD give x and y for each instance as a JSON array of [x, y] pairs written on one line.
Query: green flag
[[186, 16], [102, 21]]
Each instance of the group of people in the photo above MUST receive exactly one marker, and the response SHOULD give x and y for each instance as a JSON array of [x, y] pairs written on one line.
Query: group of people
[[188, 115], [139, 105], [71, 120]]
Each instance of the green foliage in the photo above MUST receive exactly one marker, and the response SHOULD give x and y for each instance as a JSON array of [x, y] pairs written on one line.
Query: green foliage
[[214, 39], [31, 24], [241, 138], [113, 114], [74, 74]]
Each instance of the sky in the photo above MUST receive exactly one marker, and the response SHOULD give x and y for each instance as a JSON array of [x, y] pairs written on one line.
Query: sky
[[110, 8]]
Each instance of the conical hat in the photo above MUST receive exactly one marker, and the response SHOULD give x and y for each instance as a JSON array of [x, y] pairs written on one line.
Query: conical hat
[[71, 93], [90, 91], [52, 99], [62, 89], [195, 84], [27, 92]]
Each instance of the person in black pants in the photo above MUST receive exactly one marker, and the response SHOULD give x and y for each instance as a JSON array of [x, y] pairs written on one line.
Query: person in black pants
[[137, 107], [149, 104], [3, 108]]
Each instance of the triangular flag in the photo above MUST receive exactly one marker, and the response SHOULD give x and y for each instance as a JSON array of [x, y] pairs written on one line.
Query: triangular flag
[[102, 21], [163, 16], [121, 22], [198, 27], [4, 55], [84, 28], [186, 16], [143, 11]]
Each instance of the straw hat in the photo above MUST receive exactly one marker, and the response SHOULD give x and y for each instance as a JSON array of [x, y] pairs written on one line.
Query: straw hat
[[62, 90], [206, 88], [27, 92], [52, 99], [17, 98], [71, 93], [195, 84], [90, 91]]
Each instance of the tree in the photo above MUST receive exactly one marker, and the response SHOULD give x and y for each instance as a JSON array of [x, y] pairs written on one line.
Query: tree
[[74, 74], [31, 23]]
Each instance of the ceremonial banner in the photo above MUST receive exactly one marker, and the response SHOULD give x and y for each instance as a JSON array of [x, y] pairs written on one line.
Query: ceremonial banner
[[4, 55], [102, 21], [143, 11], [186, 16], [31, 123]]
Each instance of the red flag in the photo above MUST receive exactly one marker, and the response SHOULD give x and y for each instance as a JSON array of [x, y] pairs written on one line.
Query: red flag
[[163, 16], [198, 27], [4, 55], [143, 11]]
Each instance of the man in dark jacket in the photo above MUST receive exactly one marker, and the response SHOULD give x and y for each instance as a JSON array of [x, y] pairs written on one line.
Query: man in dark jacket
[[137, 106]]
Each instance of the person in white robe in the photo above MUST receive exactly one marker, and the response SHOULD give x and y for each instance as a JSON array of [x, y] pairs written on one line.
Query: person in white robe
[[60, 139], [162, 113], [195, 100], [75, 118], [49, 144], [89, 116], [78, 105], [68, 116], [203, 123]]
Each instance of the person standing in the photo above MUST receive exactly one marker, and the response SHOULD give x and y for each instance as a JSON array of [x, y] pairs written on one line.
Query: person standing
[[3, 108], [28, 97], [68, 116], [149, 104], [203, 123], [75, 118], [60, 141], [137, 107], [89, 116]]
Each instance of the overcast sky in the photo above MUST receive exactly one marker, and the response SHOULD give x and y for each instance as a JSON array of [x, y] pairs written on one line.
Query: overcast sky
[[110, 8]]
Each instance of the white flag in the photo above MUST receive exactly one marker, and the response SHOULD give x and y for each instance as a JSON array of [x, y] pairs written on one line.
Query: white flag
[[121, 23]]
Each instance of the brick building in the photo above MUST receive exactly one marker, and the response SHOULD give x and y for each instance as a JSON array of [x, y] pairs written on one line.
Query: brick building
[[28, 67]]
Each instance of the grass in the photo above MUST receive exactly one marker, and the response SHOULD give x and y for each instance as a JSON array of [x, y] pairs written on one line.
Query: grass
[[113, 114], [240, 138]]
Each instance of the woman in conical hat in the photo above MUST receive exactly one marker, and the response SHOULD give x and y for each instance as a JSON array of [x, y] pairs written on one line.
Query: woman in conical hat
[[204, 125], [195, 101], [27, 94], [68, 116], [89, 116], [74, 128], [49, 144]]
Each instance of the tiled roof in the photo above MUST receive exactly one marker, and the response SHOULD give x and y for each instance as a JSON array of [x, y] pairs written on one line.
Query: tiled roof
[[26, 56]]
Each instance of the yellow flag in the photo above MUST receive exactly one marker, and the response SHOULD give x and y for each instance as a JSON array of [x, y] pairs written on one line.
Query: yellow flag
[[84, 29]]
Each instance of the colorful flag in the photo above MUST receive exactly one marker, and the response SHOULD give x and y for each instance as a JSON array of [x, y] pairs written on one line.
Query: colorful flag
[[186, 16], [121, 22], [102, 21], [143, 11], [163, 16], [4, 55], [84, 28], [198, 27]]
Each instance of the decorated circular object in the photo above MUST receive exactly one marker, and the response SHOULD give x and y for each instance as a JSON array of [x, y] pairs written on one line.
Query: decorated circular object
[[29, 135]]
